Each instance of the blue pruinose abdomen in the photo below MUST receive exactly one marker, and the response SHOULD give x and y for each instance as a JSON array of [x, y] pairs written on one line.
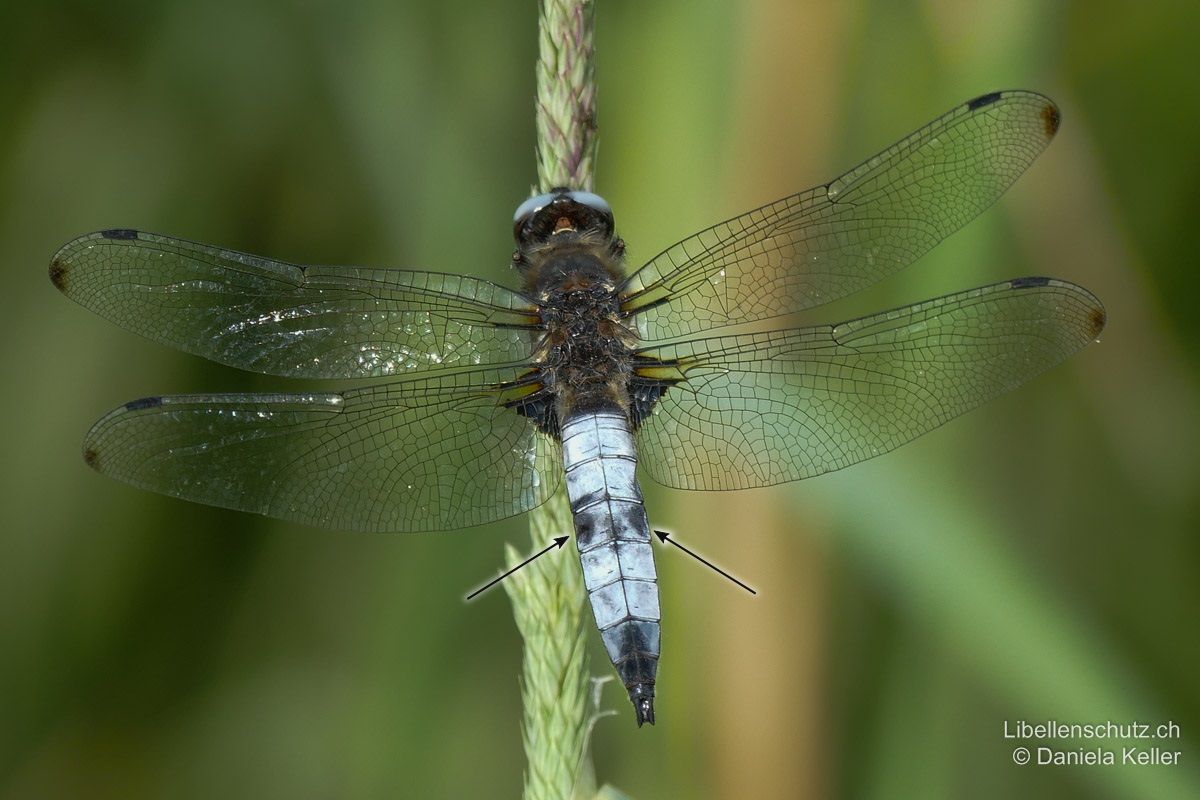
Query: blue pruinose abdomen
[[613, 535]]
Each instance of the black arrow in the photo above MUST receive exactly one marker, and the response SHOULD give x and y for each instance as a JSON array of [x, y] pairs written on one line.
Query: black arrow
[[559, 541], [662, 536]]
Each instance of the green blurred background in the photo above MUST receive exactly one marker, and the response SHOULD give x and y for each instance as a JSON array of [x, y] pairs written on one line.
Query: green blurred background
[[1035, 560]]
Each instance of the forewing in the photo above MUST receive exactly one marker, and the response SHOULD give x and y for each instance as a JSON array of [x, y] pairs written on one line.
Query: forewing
[[419, 454], [282, 319], [833, 240], [765, 408]]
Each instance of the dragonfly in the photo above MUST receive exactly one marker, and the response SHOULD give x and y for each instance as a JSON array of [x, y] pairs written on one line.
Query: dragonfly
[[489, 398]]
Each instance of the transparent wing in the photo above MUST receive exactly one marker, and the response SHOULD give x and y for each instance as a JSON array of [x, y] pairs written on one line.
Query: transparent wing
[[816, 246], [282, 319], [419, 454], [764, 408]]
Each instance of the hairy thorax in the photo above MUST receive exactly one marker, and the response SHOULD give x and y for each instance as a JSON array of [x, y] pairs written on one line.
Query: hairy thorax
[[585, 351]]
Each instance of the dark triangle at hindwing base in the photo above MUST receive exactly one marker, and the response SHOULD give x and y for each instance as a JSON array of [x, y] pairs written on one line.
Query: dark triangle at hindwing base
[[539, 408], [644, 394]]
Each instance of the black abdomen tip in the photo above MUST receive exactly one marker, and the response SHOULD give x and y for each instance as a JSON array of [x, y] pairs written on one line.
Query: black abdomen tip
[[645, 710], [642, 695]]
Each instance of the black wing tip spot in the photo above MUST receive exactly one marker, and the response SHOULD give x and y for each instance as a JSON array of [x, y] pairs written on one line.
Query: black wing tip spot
[[1097, 319], [1028, 283], [58, 274], [984, 100], [119, 233], [91, 457], [1051, 119], [144, 402]]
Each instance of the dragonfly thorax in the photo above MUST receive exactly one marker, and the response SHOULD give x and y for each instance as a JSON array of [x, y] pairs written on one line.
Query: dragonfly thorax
[[585, 353]]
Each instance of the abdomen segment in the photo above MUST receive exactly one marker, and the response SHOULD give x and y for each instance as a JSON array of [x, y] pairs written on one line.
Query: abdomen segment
[[614, 547]]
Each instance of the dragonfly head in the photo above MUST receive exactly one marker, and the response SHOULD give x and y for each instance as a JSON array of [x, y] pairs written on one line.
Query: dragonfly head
[[562, 212]]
